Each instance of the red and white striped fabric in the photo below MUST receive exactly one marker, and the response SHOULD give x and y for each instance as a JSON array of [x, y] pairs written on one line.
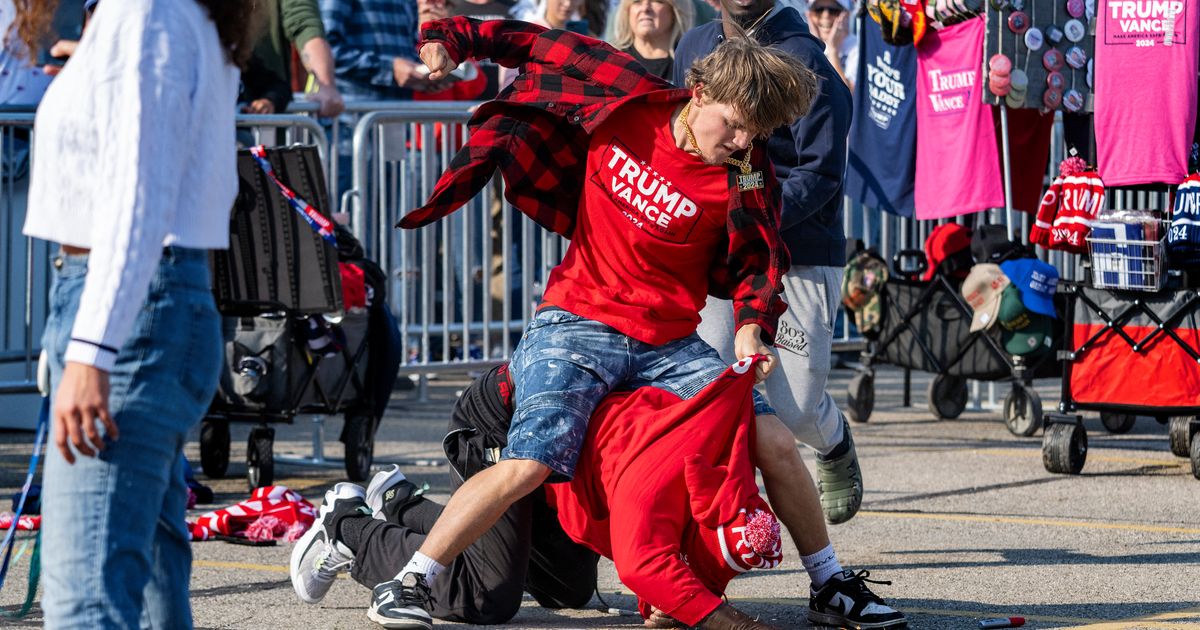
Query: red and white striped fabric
[[278, 502], [26, 523], [1068, 208]]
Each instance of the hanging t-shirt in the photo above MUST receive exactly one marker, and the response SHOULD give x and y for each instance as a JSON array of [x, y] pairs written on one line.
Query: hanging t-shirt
[[883, 138], [958, 171], [651, 221], [1145, 95]]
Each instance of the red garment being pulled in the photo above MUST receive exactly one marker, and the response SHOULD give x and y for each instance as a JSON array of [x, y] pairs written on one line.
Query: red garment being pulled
[[666, 489]]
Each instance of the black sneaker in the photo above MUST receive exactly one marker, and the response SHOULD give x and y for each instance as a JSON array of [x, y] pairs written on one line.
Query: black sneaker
[[402, 603], [845, 601]]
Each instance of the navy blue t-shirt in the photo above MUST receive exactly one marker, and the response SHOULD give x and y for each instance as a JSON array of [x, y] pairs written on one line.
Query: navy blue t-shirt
[[883, 137]]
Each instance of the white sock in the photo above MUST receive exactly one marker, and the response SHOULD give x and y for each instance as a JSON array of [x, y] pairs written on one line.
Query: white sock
[[821, 565], [422, 563]]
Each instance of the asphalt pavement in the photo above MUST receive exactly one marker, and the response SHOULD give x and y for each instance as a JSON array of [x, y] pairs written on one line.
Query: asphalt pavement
[[960, 516]]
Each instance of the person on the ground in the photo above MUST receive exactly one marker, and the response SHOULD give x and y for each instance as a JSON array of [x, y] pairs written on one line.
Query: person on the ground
[[648, 31], [809, 156], [133, 176], [638, 176], [702, 505], [373, 533], [829, 21]]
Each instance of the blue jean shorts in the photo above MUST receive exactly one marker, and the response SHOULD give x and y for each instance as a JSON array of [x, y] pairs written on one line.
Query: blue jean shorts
[[566, 364]]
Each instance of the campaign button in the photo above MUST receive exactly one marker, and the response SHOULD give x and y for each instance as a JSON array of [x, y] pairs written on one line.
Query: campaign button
[[1052, 98], [1018, 22], [1000, 65], [1075, 30], [1076, 58], [1019, 80], [1034, 38], [1075, 8], [1056, 81], [1052, 60], [1073, 100]]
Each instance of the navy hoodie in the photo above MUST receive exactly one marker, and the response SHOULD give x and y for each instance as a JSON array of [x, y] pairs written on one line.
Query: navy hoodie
[[810, 154]]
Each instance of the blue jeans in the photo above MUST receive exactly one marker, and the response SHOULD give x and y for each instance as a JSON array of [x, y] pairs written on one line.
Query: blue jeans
[[116, 551], [566, 364]]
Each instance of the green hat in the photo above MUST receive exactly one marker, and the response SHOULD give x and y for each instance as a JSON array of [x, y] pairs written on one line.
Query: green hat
[[1022, 331]]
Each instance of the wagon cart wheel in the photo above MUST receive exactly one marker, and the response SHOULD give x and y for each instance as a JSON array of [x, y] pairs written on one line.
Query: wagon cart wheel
[[947, 396], [860, 397], [1122, 423], [260, 457], [1064, 448], [359, 440], [214, 447], [1179, 435], [1196, 456], [1022, 410]]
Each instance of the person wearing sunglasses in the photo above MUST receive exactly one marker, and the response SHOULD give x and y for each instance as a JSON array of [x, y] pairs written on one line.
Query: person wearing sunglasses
[[829, 21]]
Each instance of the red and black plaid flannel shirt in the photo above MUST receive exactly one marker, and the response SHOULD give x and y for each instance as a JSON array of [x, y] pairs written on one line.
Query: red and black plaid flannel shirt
[[537, 131]]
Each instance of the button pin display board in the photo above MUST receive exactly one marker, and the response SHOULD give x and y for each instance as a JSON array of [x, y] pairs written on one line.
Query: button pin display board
[[1038, 54]]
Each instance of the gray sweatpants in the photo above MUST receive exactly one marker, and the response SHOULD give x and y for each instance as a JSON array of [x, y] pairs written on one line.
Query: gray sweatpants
[[803, 342]]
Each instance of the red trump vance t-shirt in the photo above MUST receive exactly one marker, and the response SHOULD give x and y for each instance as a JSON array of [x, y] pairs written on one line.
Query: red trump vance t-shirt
[[651, 222]]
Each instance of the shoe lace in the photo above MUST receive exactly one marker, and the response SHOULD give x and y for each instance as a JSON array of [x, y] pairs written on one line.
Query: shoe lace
[[417, 593], [328, 565], [855, 582]]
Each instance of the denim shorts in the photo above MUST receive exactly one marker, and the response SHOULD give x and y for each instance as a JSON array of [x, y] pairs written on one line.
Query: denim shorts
[[566, 364]]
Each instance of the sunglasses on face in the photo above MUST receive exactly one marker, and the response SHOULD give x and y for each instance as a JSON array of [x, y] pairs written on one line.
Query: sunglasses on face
[[829, 10]]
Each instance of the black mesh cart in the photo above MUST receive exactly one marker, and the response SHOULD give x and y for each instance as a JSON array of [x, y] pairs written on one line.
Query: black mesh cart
[[926, 327]]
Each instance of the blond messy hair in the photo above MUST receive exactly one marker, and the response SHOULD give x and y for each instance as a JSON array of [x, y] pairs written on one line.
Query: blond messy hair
[[767, 86]]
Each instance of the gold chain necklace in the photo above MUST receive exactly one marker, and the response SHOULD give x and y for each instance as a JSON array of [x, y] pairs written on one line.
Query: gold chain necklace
[[743, 165]]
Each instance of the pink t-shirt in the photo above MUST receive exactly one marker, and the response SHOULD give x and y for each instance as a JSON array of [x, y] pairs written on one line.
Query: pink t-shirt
[[958, 171], [1145, 79]]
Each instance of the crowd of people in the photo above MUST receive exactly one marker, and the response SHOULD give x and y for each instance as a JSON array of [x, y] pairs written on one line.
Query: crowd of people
[[706, 146]]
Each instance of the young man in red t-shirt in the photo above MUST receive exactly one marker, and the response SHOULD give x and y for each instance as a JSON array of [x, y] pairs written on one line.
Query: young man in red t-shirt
[[661, 211]]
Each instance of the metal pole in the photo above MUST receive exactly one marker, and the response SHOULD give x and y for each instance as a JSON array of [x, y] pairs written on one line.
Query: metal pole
[[1008, 208]]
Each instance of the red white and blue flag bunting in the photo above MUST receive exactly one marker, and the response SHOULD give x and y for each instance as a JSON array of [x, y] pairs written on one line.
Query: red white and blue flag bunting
[[315, 220]]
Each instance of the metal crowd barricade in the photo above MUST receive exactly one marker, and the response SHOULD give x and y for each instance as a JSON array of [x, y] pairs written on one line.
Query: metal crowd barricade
[[24, 283], [463, 288]]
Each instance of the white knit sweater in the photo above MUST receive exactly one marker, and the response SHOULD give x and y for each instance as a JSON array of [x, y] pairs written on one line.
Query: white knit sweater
[[134, 150]]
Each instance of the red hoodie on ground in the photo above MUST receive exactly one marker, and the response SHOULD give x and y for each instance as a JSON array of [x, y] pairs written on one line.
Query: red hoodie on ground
[[666, 489]]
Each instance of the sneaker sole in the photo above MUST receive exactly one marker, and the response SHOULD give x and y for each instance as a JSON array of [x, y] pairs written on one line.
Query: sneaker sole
[[839, 621], [399, 624], [375, 491], [298, 552]]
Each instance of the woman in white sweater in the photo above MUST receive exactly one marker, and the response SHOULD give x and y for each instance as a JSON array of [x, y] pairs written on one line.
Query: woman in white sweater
[[133, 176]]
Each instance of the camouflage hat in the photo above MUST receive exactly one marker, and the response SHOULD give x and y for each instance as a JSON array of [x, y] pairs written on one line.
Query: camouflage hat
[[864, 277]]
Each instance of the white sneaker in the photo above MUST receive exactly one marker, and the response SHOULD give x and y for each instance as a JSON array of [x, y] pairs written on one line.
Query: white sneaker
[[318, 556]]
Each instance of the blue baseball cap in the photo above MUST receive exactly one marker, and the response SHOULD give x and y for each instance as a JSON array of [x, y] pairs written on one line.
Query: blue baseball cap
[[1036, 281]]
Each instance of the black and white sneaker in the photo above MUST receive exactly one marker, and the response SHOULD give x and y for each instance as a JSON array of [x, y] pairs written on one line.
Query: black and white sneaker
[[389, 492], [846, 602], [402, 604]]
